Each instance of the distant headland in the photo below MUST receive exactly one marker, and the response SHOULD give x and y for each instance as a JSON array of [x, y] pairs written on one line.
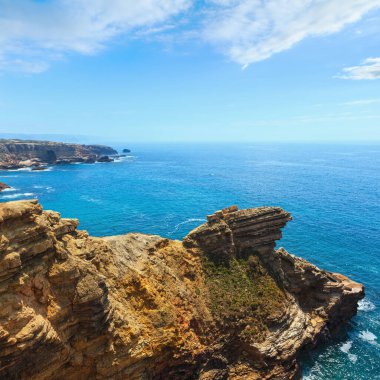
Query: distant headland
[[37, 155]]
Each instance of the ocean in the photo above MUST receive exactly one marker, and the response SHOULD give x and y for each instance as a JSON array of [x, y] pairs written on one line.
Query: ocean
[[332, 191]]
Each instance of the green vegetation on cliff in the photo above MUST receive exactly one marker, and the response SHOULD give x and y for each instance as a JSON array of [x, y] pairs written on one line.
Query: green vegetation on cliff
[[243, 287]]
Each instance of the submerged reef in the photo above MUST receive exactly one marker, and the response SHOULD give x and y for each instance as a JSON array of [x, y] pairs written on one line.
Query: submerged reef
[[221, 304]]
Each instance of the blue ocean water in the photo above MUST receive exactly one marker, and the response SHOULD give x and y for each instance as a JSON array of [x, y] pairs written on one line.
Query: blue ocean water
[[332, 191]]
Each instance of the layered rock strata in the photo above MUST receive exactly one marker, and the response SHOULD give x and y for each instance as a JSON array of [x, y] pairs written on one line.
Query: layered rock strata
[[15, 154], [222, 304]]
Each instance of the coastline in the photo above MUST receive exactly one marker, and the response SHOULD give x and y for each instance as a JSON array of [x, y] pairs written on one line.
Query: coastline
[[161, 188], [130, 289], [40, 155]]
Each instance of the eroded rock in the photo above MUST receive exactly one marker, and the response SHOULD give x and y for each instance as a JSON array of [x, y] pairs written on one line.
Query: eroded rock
[[222, 304]]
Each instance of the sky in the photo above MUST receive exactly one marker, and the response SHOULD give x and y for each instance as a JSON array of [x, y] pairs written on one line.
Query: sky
[[193, 71]]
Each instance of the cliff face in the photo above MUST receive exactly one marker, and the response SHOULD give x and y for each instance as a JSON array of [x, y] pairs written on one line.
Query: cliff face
[[222, 304], [20, 153]]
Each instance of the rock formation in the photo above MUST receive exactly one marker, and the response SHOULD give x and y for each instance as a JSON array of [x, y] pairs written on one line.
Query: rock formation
[[16, 154], [105, 159], [3, 186], [222, 304]]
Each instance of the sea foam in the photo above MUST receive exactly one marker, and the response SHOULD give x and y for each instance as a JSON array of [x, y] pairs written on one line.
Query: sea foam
[[48, 189], [9, 190], [368, 337], [18, 195], [346, 347], [191, 220], [90, 199], [20, 170], [366, 305]]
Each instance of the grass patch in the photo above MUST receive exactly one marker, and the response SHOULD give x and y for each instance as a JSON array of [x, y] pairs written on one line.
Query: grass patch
[[243, 290]]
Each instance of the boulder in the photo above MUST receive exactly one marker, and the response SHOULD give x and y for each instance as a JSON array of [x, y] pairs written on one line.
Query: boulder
[[3, 186]]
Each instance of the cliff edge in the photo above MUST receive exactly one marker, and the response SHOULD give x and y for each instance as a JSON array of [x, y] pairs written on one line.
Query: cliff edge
[[16, 154], [222, 304]]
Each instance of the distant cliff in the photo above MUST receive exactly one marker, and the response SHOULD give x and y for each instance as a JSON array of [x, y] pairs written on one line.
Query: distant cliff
[[28, 153], [222, 304]]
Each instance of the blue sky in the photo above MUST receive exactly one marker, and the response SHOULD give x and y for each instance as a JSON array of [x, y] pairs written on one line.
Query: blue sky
[[181, 70]]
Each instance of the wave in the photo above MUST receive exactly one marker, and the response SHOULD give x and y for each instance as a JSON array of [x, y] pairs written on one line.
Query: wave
[[368, 337], [191, 220], [121, 159], [366, 305], [20, 170], [353, 358], [18, 195], [49, 189], [9, 190], [346, 347], [46, 169], [90, 199]]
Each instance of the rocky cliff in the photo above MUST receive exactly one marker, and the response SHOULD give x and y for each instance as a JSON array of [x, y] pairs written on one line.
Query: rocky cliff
[[222, 304], [22, 153]]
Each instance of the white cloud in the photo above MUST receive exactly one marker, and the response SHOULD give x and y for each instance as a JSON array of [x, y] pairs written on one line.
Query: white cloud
[[33, 33], [253, 30], [369, 69]]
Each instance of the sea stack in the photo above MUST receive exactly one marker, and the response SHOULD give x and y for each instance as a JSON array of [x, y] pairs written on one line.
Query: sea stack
[[221, 304]]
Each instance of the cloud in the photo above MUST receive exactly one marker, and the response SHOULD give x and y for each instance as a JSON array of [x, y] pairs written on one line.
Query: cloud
[[361, 102], [369, 69], [33, 33], [253, 30]]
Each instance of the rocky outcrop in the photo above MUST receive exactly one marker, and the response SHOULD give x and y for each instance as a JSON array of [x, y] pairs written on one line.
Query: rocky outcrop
[[16, 154], [222, 304], [105, 159], [3, 186]]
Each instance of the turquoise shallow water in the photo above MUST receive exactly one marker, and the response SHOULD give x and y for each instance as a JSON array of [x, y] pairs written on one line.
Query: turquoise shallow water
[[332, 191]]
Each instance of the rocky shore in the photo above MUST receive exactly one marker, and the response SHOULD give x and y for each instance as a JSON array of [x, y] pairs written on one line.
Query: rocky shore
[[3, 186], [221, 304], [37, 155]]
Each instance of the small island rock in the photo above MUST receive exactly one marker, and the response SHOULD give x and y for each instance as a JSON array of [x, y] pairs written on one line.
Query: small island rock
[[105, 159], [3, 186]]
